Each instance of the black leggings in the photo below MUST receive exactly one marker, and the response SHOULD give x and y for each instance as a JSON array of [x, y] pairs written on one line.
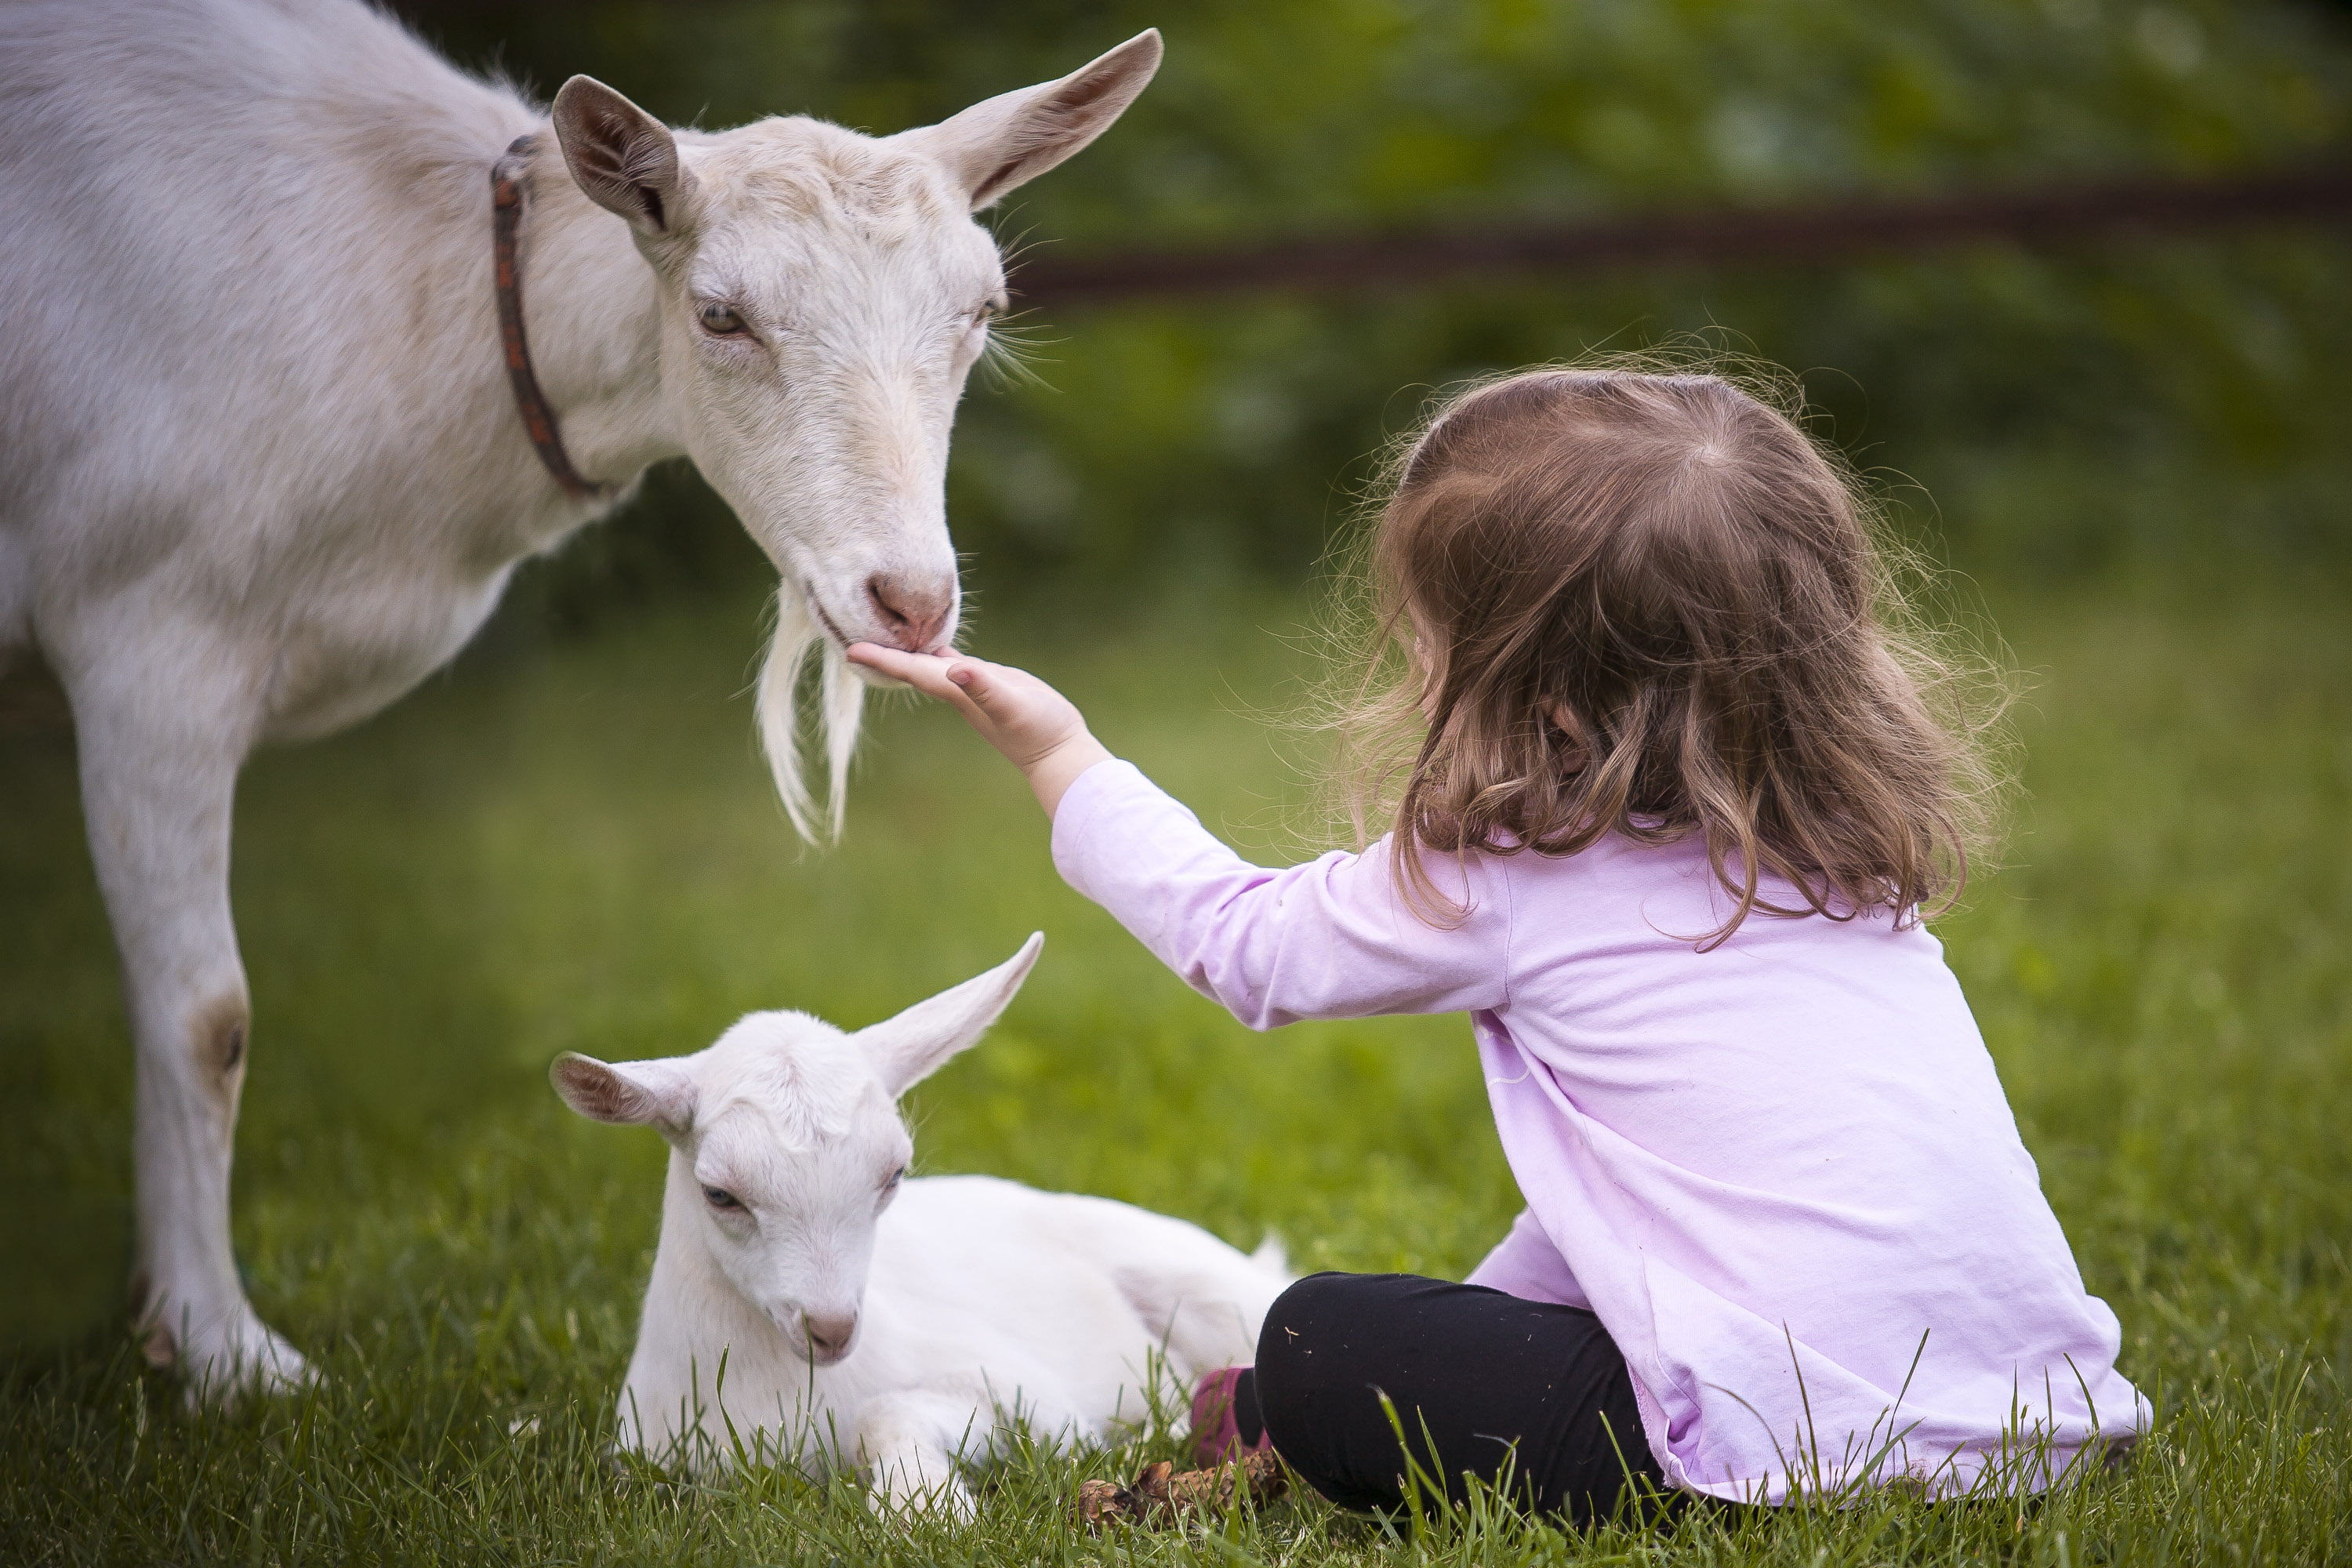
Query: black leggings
[[1484, 1376]]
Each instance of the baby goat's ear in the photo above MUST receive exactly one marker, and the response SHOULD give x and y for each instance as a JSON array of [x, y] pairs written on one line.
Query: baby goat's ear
[[655, 1094], [908, 1049]]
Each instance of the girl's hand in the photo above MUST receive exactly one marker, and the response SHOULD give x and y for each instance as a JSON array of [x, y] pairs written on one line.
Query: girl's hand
[[1039, 730]]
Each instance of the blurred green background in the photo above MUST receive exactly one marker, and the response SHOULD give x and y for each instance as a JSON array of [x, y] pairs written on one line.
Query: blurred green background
[[2131, 451]]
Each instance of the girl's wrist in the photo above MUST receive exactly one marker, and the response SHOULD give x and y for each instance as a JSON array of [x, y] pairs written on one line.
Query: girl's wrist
[[1052, 775]]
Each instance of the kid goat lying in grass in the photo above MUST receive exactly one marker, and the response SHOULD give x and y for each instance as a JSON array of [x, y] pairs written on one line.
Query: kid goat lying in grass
[[868, 1319]]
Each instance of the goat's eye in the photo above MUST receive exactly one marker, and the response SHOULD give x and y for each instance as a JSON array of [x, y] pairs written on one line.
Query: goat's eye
[[896, 1177], [720, 1198], [720, 320]]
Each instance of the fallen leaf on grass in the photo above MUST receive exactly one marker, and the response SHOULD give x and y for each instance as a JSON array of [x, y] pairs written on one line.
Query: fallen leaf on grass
[[1159, 1493]]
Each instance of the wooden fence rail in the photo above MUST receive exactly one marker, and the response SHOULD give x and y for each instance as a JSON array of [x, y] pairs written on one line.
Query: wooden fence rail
[[1828, 232]]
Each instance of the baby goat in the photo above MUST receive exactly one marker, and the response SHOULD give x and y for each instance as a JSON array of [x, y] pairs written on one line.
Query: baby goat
[[869, 1319]]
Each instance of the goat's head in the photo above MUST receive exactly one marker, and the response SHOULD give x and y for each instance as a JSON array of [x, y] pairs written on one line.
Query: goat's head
[[786, 1144], [824, 296]]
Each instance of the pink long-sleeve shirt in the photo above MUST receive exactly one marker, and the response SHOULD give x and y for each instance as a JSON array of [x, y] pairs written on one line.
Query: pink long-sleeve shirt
[[1782, 1171]]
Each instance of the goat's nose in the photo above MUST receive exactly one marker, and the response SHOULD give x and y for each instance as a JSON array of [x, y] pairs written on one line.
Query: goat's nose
[[829, 1333], [914, 614]]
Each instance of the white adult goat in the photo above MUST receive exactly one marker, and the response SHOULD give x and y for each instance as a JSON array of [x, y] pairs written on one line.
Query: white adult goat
[[789, 1240], [261, 469]]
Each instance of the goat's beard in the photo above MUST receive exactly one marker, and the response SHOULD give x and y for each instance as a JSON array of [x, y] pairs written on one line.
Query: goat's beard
[[833, 718]]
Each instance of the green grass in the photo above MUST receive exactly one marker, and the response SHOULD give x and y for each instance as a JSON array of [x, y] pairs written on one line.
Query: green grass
[[575, 848]]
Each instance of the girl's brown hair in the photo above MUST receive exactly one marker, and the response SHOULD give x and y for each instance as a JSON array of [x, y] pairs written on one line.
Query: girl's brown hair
[[1649, 604]]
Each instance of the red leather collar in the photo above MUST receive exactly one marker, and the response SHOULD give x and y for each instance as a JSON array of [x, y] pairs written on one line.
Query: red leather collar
[[508, 194]]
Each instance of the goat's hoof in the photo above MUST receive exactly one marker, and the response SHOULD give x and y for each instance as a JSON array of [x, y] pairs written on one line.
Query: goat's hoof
[[235, 1356], [951, 1502]]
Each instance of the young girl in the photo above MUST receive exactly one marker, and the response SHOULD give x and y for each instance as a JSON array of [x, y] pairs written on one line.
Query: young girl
[[1666, 839]]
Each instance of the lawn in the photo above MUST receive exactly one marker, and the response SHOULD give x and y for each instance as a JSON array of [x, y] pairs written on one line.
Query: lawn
[[573, 846]]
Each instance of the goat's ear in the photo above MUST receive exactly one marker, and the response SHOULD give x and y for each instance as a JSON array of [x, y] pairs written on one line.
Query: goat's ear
[[624, 159], [908, 1049], [1014, 137], [655, 1094]]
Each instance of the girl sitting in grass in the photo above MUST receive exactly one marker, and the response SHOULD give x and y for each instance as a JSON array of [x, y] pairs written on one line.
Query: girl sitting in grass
[[1677, 805]]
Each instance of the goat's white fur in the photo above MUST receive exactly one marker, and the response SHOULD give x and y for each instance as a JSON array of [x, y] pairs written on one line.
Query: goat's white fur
[[890, 1334], [260, 469]]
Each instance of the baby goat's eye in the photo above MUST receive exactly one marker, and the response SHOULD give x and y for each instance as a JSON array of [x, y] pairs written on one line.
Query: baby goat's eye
[[720, 1198], [720, 320], [891, 1185]]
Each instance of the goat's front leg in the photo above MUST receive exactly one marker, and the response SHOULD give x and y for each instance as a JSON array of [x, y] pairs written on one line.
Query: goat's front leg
[[907, 1444], [160, 748]]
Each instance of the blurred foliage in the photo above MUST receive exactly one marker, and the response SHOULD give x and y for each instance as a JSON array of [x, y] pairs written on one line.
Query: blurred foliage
[[2043, 400]]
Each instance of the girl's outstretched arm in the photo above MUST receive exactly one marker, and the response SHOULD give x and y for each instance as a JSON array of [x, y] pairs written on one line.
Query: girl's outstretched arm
[[1328, 939], [1039, 730]]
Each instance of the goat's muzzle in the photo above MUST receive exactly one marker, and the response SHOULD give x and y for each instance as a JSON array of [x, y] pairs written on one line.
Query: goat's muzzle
[[915, 614], [829, 1335]]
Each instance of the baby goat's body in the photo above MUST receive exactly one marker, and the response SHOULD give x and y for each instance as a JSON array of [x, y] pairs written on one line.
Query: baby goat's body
[[986, 1299], [809, 1306]]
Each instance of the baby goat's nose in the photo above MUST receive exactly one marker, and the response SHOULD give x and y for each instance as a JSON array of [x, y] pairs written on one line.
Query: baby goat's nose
[[914, 614], [829, 1333]]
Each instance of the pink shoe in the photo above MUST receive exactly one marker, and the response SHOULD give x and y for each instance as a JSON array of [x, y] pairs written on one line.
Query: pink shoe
[[1216, 1434]]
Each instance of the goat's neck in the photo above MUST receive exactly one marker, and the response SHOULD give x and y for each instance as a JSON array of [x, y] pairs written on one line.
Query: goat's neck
[[592, 311]]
